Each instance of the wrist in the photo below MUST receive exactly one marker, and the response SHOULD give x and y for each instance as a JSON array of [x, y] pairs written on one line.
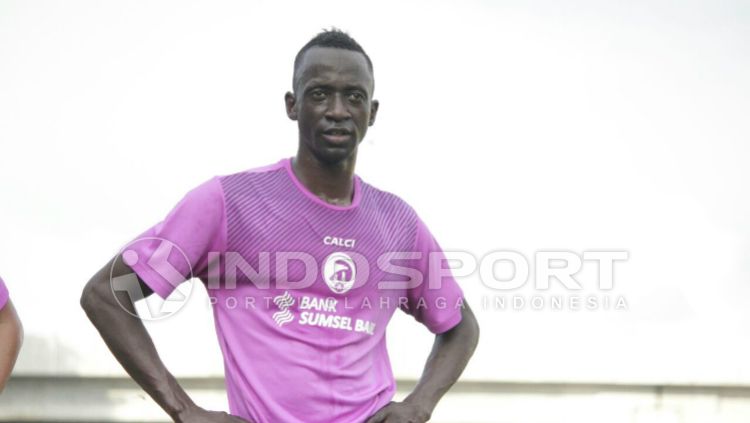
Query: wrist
[[175, 401], [424, 405], [182, 413]]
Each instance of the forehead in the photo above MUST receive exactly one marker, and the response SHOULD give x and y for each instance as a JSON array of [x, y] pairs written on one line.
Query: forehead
[[334, 66]]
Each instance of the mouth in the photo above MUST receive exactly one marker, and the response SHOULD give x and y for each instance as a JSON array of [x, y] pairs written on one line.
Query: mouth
[[337, 135]]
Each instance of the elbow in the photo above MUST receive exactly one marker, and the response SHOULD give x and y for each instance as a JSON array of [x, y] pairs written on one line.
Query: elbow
[[91, 298], [475, 336], [16, 332], [19, 335], [11, 334], [471, 328], [86, 300]]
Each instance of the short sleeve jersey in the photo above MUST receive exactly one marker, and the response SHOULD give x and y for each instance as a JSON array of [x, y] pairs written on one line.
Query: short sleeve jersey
[[3, 294], [302, 290]]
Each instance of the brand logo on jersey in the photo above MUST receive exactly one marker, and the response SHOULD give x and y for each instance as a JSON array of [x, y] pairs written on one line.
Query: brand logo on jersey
[[283, 302], [339, 242], [339, 272]]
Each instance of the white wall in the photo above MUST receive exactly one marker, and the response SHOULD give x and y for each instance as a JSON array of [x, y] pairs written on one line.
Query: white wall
[[589, 126]]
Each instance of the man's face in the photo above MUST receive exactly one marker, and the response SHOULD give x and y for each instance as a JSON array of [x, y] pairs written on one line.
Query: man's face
[[332, 102]]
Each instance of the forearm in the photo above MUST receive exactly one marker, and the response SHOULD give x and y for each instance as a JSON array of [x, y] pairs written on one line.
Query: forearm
[[11, 337], [449, 356], [130, 343]]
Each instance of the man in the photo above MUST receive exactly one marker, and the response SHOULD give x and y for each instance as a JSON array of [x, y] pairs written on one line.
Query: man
[[302, 323], [11, 335]]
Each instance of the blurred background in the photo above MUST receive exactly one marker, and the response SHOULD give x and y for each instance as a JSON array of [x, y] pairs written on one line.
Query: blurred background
[[508, 125]]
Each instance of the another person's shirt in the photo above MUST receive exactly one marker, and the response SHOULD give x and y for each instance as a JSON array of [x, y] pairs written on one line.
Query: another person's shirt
[[302, 290], [3, 294]]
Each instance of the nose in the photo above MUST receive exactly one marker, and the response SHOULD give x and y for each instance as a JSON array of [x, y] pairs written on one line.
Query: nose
[[337, 110]]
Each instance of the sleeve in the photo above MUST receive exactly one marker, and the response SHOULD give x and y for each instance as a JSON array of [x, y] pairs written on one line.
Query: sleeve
[[437, 301], [179, 247], [3, 294]]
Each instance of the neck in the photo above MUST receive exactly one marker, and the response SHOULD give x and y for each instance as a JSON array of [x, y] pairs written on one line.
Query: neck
[[331, 182]]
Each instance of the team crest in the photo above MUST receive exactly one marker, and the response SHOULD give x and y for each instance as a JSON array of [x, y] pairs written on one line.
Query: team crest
[[339, 272]]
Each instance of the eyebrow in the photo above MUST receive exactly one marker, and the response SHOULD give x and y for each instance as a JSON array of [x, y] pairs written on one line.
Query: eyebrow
[[312, 84]]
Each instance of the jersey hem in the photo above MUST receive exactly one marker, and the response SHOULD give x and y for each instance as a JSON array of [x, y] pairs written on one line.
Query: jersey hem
[[153, 280]]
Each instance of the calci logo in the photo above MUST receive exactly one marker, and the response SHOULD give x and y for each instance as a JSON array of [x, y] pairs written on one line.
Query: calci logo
[[339, 272]]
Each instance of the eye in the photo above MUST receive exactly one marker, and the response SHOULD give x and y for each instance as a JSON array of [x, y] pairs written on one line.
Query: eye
[[356, 97], [318, 94]]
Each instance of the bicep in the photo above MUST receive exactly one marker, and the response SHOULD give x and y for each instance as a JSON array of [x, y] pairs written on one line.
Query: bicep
[[121, 270], [466, 331], [115, 280]]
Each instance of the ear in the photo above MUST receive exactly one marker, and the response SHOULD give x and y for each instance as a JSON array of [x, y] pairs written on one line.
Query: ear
[[373, 111], [291, 105]]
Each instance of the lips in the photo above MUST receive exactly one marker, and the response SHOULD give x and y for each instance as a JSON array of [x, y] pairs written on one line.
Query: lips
[[337, 135]]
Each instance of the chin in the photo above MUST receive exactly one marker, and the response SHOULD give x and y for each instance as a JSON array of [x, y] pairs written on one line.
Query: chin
[[334, 155], [329, 153]]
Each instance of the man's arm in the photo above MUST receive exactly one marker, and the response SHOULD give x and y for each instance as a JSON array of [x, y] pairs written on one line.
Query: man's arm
[[130, 343], [11, 337], [450, 354]]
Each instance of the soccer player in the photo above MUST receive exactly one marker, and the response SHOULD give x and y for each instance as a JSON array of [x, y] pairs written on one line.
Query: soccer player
[[11, 335], [305, 264]]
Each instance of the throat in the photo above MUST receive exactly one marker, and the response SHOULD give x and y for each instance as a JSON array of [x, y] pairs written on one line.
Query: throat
[[335, 200], [331, 184]]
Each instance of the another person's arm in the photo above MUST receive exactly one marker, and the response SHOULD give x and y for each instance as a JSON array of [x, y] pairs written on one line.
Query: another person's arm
[[450, 354], [11, 337], [130, 343]]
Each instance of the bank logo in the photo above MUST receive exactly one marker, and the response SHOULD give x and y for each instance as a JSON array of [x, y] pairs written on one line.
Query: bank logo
[[339, 272], [283, 302]]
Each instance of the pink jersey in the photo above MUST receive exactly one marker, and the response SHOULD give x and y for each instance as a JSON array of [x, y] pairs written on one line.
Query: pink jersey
[[303, 290], [3, 294]]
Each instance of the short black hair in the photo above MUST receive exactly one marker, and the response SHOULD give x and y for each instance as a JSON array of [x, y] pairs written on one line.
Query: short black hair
[[332, 38]]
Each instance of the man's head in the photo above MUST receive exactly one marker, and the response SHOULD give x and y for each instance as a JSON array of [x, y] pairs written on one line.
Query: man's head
[[332, 100]]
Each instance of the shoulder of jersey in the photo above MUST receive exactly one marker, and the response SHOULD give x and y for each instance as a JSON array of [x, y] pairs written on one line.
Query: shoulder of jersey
[[386, 199], [256, 170]]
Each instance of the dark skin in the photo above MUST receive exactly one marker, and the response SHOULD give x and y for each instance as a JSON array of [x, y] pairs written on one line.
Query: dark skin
[[333, 89], [333, 106], [450, 353], [332, 94], [113, 315]]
